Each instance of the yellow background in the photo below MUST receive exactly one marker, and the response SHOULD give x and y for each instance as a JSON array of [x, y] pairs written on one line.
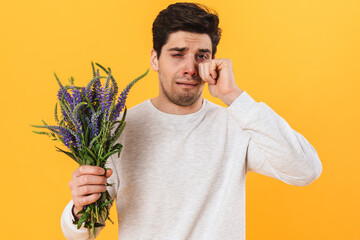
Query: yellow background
[[301, 57]]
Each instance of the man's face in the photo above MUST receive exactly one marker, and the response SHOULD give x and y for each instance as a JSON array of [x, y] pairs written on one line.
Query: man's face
[[177, 66]]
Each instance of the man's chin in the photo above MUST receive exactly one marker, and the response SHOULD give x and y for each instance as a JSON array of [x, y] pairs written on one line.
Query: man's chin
[[185, 101]]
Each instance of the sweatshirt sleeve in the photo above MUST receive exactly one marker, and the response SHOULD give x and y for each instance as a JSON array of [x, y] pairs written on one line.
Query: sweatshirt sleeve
[[274, 148], [70, 230]]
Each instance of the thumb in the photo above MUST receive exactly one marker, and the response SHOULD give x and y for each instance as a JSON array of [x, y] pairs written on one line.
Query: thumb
[[108, 173]]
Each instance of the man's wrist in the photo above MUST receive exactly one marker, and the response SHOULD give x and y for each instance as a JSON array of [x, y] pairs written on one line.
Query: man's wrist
[[231, 97]]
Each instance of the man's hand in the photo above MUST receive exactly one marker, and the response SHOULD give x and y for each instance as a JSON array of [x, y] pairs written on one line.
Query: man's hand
[[87, 184], [219, 75]]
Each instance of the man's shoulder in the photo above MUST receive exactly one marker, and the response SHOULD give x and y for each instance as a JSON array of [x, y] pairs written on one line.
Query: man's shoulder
[[213, 107], [219, 113], [135, 111]]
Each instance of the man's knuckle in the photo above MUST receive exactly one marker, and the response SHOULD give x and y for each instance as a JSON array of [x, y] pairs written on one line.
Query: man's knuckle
[[86, 189], [80, 170], [85, 180]]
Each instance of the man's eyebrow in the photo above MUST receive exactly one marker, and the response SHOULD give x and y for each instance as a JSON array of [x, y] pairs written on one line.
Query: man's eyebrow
[[203, 50]]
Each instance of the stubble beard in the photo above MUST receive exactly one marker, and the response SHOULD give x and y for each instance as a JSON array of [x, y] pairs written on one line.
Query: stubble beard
[[187, 97]]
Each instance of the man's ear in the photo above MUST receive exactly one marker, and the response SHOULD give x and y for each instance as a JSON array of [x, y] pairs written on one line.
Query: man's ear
[[154, 61]]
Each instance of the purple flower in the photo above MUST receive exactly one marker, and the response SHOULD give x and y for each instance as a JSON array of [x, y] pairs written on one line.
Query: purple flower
[[121, 103], [87, 94], [63, 92], [103, 98], [94, 124], [76, 96], [67, 97], [97, 89], [122, 98], [67, 137]]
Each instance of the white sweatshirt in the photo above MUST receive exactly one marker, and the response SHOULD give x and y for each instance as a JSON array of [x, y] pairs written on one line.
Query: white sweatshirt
[[182, 177]]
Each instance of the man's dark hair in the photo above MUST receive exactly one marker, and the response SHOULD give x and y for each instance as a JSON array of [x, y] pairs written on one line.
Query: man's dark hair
[[189, 17]]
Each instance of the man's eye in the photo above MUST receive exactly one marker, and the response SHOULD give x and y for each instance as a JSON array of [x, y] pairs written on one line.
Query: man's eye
[[203, 56], [177, 55]]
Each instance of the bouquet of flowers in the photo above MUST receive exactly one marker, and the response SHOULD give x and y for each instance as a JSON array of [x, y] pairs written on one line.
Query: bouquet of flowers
[[89, 128]]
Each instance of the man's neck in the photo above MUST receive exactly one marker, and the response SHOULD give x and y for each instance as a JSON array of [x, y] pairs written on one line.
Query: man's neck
[[169, 107]]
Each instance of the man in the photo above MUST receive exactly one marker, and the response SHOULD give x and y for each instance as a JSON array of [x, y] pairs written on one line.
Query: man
[[181, 174]]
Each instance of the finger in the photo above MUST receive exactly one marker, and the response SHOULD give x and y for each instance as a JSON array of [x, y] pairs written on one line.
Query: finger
[[89, 189], [209, 78], [88, 170], [82, 201], [213, 71], [90, 180], [201, 72]]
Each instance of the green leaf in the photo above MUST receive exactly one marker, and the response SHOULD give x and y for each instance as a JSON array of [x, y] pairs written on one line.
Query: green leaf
[[89, 160], [71, 155], [88, 209], [71, 80], [118, 128], [88, 87], [66, 104], [56, 116], [111, 110], [82, 219], [116, 147], [106, 203], [92, 65], [90, 152], [44, 122], [102, 68], [90, 104], [97, 147], [117, 134], [77, 107], [49, 127], [76, 153], [124, 114], [81, 211], [107, 83], [87, 133], [41, 132], [108, 155], [57, 79], [93, 228], [94, 140], [110, 219]]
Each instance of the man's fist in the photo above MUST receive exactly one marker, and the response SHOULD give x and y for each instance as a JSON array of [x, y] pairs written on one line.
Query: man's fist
[[87, 184]]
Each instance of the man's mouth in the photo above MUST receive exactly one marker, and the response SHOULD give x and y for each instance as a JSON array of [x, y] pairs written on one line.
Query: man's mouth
[[187, 83], [183, 85]]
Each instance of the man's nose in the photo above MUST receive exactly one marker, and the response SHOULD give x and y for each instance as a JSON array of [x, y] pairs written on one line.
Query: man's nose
[[191, 68]]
